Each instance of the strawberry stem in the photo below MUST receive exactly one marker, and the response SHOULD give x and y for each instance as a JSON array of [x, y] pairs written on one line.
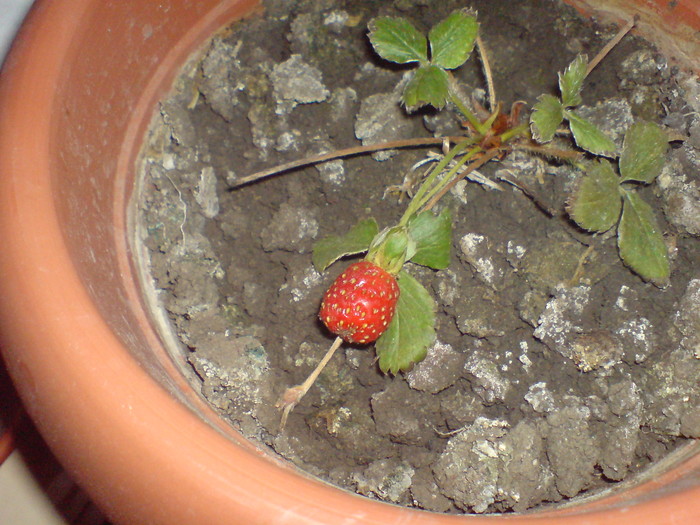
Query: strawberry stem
[[437, 195], [493, 99], [480, 128], [419, 198], [448, 177], [293, 395]]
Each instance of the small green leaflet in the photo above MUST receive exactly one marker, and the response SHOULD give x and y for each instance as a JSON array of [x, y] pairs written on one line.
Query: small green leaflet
[[595, 204], [571, 81], [589, 137], [643, 152], [396, 39], [452, 40], [547, 115], [411, 331], [640, 241], [429, 85], [333, 247], [433, 237]]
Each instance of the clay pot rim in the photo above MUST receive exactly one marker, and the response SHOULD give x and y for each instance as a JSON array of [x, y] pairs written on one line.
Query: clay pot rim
[[52, 290]]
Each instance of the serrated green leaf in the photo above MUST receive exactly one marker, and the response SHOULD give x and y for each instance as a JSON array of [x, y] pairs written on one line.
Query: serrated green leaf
[[571, 81], [452, 40], [588, 136], [411, 331], [433, 237], [547, 115], [429, 86], [643, 152], [397, 40], [595, 204], [641, 242], [357, 240]]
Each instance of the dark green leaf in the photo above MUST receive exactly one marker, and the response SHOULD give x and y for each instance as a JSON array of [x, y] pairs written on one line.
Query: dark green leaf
[[571, 80], [396, 39], [595, 204], [546, 117], [433, 237], [357, 240], [589, 137], [643, 152], [452, 40], [429, 85], [411, 331], [641, 242]]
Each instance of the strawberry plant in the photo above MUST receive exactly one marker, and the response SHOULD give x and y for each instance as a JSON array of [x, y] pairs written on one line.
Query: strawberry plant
[[603, 199], [377, 300]]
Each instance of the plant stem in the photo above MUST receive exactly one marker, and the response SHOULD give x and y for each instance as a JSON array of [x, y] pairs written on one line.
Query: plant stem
[[464, 110], [341, 153], [561, 154], [446, 179], [431, 191], [493, 100], [419, 198], [453, 180], [513, 132], [608, 47], [293, 395]]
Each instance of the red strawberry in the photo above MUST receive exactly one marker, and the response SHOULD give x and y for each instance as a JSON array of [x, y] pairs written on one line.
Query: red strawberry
[[360, 303]]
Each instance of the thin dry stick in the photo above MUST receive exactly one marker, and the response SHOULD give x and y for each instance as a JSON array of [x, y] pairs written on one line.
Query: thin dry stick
[[337, 154], [493, 101], [293, 395], [608, 47], [557, 153], [579, 267]]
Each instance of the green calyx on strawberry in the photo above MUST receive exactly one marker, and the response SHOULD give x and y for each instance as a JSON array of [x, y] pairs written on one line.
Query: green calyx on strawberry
[[360, 303], [391, 248]]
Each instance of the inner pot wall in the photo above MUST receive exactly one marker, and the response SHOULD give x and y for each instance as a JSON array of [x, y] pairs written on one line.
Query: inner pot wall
[[76, 94]]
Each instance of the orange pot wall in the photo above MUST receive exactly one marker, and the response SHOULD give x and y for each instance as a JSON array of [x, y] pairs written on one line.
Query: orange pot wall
[[672, 24], [76, 94]]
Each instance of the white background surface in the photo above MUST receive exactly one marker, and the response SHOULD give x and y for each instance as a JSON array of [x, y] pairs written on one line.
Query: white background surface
[[11, 14]]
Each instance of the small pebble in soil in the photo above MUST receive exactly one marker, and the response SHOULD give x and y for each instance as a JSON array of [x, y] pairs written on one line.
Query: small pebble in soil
[[688, 318], [296, 82], [381, 119]]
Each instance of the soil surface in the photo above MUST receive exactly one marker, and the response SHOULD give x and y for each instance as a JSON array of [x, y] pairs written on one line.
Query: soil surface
[[553, 374]]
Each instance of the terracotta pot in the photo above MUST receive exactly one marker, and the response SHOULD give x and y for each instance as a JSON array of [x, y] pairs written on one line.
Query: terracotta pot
[[76, 94]]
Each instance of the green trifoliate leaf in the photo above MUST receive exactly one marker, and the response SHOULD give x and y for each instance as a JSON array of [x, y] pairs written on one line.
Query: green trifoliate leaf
[[547, 115], [357, 240], [396, 39], [571, 81], [588, 136], [452, 40], [595, 204], [643, 152], [411, 331], [433, 237], [641, 242], [429, 86]]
